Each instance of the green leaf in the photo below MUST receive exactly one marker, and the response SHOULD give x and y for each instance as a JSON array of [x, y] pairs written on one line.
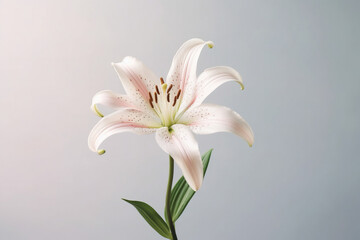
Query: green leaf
[[152, 217], [181, 194]]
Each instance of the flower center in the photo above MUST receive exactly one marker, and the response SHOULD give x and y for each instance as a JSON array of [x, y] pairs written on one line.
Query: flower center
[[165, 102]]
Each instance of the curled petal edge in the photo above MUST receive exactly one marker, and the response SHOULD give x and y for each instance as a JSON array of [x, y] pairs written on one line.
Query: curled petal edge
[[123, 120]]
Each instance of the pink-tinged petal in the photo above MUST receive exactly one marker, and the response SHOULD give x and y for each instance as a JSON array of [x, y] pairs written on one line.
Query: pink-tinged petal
[[110, 99], [210, 118], [137, 80], [182, 73], [180, 143], [123, 120], [212, 78]]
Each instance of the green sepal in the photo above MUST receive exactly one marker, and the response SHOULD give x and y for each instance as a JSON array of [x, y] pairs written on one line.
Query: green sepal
[[182, 193], [152, 217]]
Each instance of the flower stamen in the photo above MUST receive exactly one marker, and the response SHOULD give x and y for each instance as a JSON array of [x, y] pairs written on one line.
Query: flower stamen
[[157, 89], [156, 99], [151, 104], [151, 98], [175, 98], [170, 87], [178, 94], [165, 103]]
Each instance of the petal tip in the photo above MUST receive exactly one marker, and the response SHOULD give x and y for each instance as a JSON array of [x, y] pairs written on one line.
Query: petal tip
[[96, 110], [195, 187], [240, 81], [251, 142], [101, 152], [210, 44]]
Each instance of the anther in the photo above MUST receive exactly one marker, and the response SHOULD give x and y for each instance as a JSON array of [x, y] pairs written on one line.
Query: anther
[[151, 104], [168, 97], [162, 81], [178, 94], [155, 97], [170, 87], [174, 101], [150, 97], [157, 89]]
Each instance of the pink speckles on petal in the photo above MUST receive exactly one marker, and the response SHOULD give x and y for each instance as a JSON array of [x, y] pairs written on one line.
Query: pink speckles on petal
[[137, 81], [123, 120], [110, 99], [210, 118], [182, 73], [180, 143]]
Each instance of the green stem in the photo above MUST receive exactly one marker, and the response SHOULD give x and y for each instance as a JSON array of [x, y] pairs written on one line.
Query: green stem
[[168, 196]]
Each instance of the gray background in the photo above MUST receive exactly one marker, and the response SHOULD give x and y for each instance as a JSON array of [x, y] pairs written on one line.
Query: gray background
[[300, 65]]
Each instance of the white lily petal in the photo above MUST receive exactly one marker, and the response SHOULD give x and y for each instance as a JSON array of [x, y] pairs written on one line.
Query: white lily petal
[[110, 99], [210, 118], [180, 143], [211, 79], [182, 73], [123, 120], [137, 80]]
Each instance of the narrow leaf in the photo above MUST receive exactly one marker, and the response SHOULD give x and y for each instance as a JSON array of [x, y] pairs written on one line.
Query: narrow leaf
[[181, 194], [152, 217]]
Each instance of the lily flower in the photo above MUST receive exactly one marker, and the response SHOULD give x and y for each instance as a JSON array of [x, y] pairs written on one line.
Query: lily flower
[[173, 109]]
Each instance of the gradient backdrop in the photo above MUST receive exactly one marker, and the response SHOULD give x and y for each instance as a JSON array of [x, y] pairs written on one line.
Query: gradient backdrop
[[300, 65]]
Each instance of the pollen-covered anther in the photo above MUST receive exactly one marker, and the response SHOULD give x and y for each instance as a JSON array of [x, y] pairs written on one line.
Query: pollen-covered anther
[[178, 94], [150, 96], [155, 94], [162, 81], [157, 89], [170, 87], [175, 98], [151, 104], [168, 97]]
